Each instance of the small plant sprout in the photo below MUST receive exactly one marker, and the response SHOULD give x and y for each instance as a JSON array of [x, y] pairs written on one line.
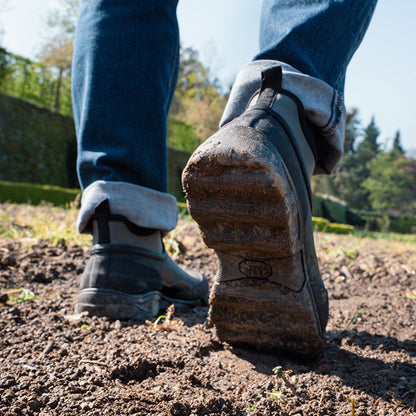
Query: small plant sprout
[[249, 410], [411, 295], [170, 323], [171, 244], [25, 295], [355, 317], [157, 321], [354, 405], [277, 395], [279, 373]]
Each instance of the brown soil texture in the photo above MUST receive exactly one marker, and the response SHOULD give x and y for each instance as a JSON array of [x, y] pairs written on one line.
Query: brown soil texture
[[56, 363]]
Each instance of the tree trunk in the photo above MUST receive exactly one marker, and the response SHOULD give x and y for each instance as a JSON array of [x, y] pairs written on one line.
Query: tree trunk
[[58, 90]]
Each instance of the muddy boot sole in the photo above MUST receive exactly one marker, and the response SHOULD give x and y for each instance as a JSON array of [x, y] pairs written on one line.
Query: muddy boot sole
[[241, 194], [118, 305]]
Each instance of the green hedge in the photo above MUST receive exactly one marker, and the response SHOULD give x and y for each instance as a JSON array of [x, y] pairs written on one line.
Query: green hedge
[[39, 146], [329, 207], [374, 221], [182, 136], [176, 162], [322, 224], [29, 193], [36, 145]]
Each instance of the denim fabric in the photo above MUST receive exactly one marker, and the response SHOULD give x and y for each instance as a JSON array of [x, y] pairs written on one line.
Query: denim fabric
[[124, 72], [323, 106], [317, 37], [142, 206], [125, 67]]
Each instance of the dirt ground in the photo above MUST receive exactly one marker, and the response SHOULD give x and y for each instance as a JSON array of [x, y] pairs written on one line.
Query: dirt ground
[[56, 363]]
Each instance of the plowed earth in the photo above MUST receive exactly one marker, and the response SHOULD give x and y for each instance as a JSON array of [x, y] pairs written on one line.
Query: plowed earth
[[53, 362]]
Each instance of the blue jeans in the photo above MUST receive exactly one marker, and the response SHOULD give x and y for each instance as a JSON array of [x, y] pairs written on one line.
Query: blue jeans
[[124, 74]]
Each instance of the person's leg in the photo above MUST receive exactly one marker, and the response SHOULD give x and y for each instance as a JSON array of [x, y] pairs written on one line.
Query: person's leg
[[124, 73], [317, 37], [313, 41], [248, 186]]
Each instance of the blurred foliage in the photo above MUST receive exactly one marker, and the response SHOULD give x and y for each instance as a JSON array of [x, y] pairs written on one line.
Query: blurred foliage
[[198, 100], [57, 54], [63, 19], [34, 82], [372, 188], [391, 183], [182, 136], [378, 185]]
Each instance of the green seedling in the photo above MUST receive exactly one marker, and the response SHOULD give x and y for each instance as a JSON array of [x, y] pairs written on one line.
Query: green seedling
[[84, 326], [170, 323], [279, 373], [25, 295], [249, 410], [411, 295], [171, 244], [354, 405], [351, 321], [277, 395], [157, 321], [349, 254]]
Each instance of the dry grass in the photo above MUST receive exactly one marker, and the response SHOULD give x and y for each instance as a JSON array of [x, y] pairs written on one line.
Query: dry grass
[[25, 222]]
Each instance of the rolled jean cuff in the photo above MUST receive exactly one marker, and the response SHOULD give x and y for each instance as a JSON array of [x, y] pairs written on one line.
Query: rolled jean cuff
[[323, 105], [142, 206]]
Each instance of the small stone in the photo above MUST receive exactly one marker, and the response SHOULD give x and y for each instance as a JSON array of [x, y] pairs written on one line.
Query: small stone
[[15, 311], [34, 405]]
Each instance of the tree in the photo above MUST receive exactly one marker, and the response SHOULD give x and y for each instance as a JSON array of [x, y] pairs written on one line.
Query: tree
[[353, 170], [57, 51], [369, 144], [352, 130], [194, 78], [58, 54], [391, 184], [397, 144], [198, 100], [328, 184], [64, 19]]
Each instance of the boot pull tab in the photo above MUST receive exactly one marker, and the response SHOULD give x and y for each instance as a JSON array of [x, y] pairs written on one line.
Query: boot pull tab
[[271, 83], [101, 215]]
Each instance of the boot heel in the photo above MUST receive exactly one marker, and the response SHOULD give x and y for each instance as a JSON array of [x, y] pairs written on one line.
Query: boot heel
[[257, 312]]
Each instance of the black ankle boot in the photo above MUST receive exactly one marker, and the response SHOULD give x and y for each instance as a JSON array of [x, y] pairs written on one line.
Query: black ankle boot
[[129, 273], [248, 188]]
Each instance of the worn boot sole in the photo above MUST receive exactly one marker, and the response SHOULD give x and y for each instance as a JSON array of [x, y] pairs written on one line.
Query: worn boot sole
[[118, 305], [241, 195]]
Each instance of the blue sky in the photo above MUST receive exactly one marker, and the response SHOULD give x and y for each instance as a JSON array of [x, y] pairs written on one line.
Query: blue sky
[[380, 79]]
